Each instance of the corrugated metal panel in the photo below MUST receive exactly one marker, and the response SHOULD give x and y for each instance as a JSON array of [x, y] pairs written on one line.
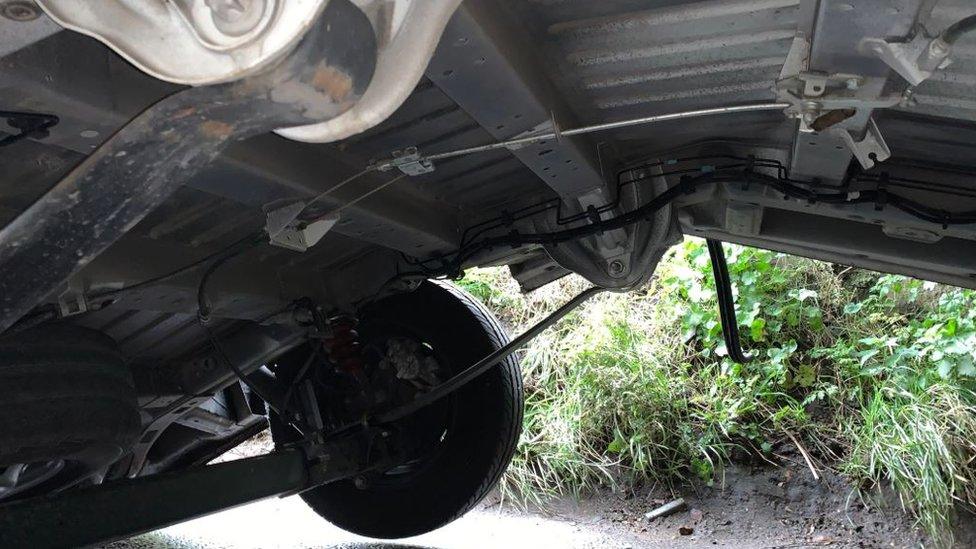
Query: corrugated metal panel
[[667, 56], [148, 336]]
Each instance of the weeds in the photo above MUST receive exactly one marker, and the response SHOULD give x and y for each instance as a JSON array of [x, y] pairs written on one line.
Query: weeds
[[874, 371]]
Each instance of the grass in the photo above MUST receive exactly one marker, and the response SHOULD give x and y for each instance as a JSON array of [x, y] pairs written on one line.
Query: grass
[[874, 373]]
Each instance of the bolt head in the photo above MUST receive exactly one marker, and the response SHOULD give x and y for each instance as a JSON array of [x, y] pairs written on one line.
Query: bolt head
[[616, 267], [939, 48]]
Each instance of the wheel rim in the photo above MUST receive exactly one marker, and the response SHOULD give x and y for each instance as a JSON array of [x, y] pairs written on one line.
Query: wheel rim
[[434, 423]]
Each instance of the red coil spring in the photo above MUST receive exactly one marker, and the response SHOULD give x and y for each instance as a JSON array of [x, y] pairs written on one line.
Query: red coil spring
[[343, 347]]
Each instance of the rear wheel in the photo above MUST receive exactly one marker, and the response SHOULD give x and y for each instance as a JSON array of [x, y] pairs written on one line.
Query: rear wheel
[[469, 438]]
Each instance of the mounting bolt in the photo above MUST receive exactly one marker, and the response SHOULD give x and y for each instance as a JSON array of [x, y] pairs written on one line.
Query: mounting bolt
[[939, 48], [908, 98], [809, 112], [853, 83], [360, 483], [236, 17], [616, 267], [20, 10]]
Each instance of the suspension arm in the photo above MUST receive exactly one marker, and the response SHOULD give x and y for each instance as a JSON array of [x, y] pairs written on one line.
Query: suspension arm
[[125, 508]]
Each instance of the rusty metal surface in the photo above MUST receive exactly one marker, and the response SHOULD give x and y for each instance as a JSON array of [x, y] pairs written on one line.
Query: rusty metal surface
[[149, 158]]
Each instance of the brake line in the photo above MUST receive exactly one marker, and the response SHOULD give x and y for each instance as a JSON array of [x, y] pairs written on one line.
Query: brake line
[[557, 134]]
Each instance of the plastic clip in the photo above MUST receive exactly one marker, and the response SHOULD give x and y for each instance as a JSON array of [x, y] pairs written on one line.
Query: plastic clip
[[882, 200]]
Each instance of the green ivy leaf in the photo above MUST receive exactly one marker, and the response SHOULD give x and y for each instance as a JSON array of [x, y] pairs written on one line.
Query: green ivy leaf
[[757, 330], [616, 446], [950, 327], [806, 375]]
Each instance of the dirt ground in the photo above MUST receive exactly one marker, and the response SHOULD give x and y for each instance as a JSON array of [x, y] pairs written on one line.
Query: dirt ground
[[753, 506]]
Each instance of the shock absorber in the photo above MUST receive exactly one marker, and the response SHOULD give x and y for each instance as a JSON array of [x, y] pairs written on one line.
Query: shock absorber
[[345, 352], [343, 347]]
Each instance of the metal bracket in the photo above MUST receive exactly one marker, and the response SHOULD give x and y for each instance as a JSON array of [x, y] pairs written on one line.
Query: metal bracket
[[916, 59], [831, 106], [870, 149], [72, 301], [811, 93], [286, 231], [410, 162]]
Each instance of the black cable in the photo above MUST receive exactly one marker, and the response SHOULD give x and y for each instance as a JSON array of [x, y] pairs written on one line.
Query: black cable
[[204, 310], [215, 343], [203, 304], [959, 28], [245, 243], [51, 313], [726, 302]]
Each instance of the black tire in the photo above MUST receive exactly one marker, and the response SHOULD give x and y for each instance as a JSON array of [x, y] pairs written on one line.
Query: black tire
[[65, 394], [486, 421]]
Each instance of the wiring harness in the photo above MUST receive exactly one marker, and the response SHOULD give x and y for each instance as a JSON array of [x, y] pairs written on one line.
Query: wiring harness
[[738, 170]]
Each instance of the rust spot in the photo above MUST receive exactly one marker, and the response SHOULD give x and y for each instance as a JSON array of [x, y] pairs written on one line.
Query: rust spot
[[333, 82], [215, 129], [183, 113], [831, 118]]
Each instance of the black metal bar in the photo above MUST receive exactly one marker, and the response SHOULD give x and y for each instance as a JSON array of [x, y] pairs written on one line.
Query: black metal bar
[[130, 507], [159, 150], [30, 124], [726, 303], [467, 375]]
